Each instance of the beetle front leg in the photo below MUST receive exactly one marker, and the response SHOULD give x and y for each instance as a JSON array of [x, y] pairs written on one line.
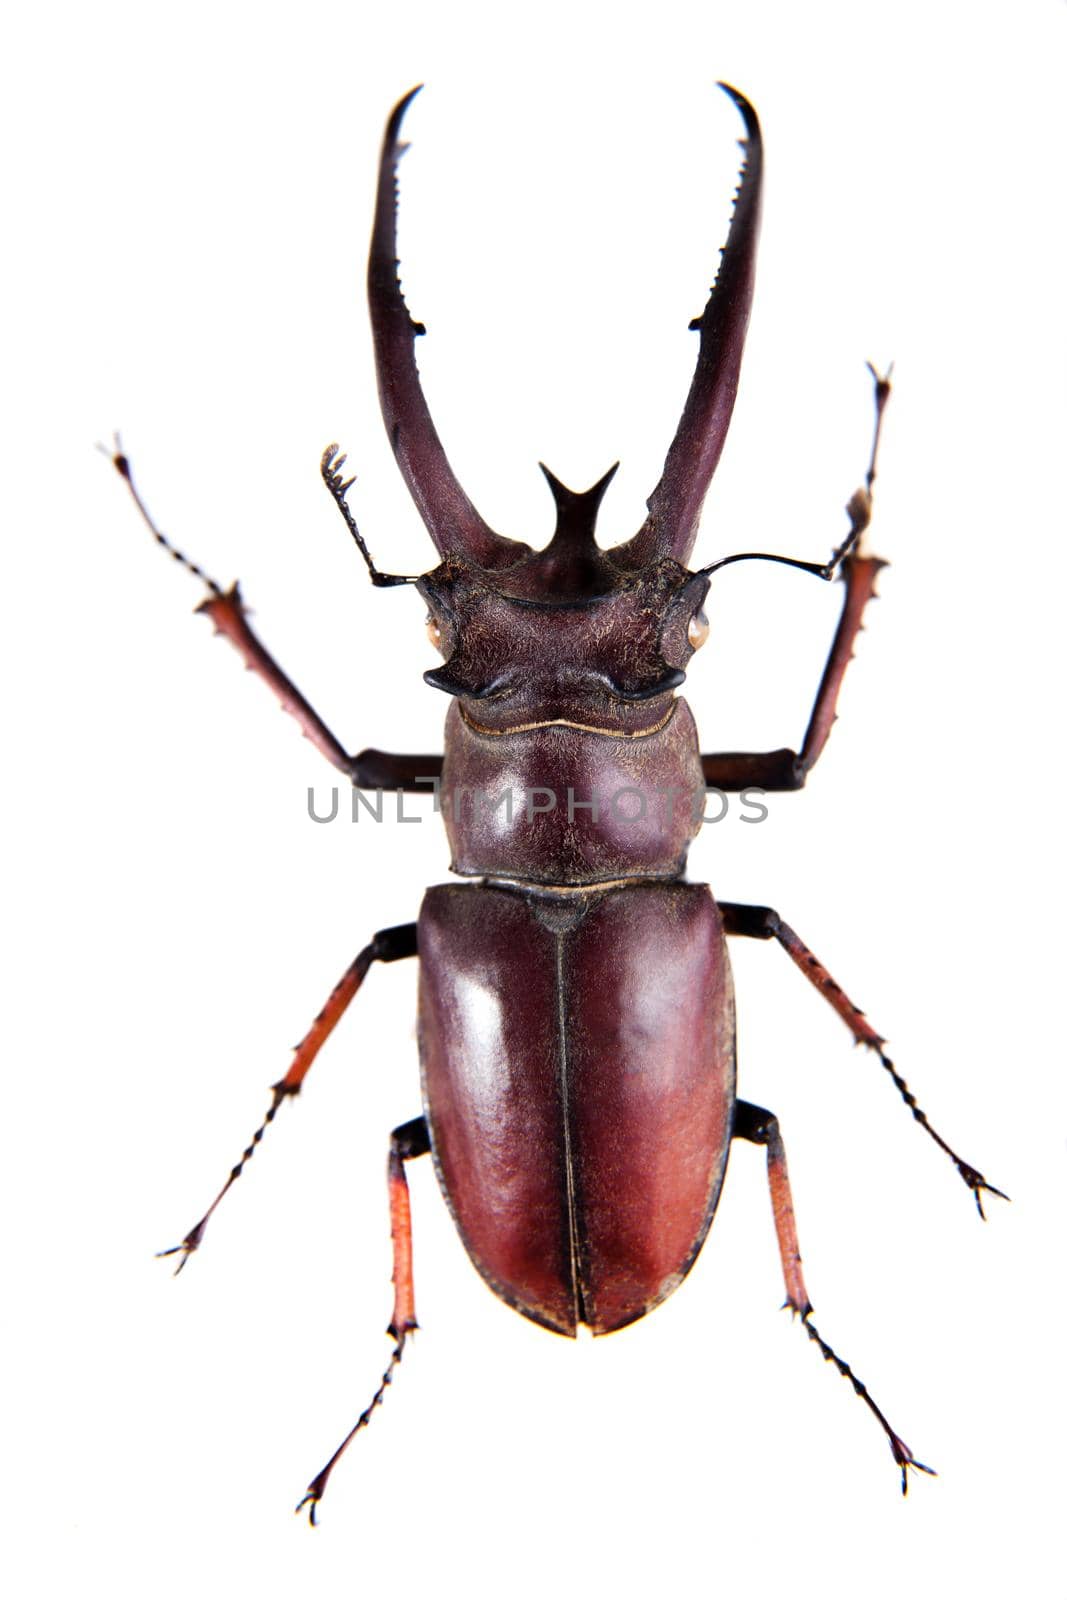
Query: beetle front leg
[[776, 770], [761, 1127], [406, 1144], [760, 922], [391, 944], [370, 769]]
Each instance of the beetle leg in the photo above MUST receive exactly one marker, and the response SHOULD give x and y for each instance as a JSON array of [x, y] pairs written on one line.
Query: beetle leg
[[760, 922], [788, 769], [761, 1127], [391, 944], [370, 769], [382, 769], [407, 1142]]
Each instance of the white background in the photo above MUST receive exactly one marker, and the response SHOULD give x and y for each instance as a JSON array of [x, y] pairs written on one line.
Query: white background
[[187, 203]]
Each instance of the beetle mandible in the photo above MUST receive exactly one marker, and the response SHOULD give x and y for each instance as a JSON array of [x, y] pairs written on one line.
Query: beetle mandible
[[576, 1014]]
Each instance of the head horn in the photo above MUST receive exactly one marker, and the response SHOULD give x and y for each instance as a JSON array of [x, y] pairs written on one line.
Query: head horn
[[576, 509], [674, 506], [454, 524]]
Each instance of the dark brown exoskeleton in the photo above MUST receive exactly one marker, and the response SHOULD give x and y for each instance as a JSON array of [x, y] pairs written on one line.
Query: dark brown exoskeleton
[[576, 1015]]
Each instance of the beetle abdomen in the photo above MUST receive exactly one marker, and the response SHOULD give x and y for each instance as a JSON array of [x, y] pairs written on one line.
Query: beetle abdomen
[[580, 1117]]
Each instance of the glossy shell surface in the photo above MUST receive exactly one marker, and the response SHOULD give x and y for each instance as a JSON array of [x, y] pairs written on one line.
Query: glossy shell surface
[[579, 1115]]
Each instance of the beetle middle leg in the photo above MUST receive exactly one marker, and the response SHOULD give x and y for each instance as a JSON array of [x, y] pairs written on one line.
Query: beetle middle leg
[[761, 1127], [390, 944], [408, 1142], [760, 922]]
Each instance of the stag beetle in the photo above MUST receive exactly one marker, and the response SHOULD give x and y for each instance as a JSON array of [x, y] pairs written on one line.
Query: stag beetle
[[575, 1011]]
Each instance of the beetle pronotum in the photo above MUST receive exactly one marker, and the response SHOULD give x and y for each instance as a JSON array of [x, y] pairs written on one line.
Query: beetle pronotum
[[576, 1022]]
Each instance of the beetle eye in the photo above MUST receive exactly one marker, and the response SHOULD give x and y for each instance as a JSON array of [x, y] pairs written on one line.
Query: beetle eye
[[433, 632], [698, 629]]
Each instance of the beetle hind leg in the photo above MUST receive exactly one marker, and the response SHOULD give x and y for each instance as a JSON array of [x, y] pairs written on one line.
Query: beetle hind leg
[[407, 1142], [761, 1127]]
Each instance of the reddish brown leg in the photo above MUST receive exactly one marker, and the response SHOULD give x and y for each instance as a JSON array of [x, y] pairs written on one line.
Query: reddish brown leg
[[761, 1127], [391, 944], [370, 769], [407, 1142], [786, 769], [760, 922]]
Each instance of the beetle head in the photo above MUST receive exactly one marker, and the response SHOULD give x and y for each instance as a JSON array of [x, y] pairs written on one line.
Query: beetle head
[[571, 632], [564, 634]]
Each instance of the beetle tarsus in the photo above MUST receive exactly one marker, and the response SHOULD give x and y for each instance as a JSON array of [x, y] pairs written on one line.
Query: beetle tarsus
[[901, 1454], [279, 1092], [970, 1175], [311, 1501], [861, 504], [977, 1184], [317, 1487], [883, 388], [904, 1459], [121, 463], [184, 1250]]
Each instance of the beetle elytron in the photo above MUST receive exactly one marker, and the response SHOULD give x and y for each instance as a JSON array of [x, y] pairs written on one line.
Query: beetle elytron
[[576, 1018]]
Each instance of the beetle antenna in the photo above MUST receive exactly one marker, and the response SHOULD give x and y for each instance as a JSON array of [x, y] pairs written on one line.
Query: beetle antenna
[[858, 508], [120, 461], [820, 570], [332, 476], [859, 511]]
